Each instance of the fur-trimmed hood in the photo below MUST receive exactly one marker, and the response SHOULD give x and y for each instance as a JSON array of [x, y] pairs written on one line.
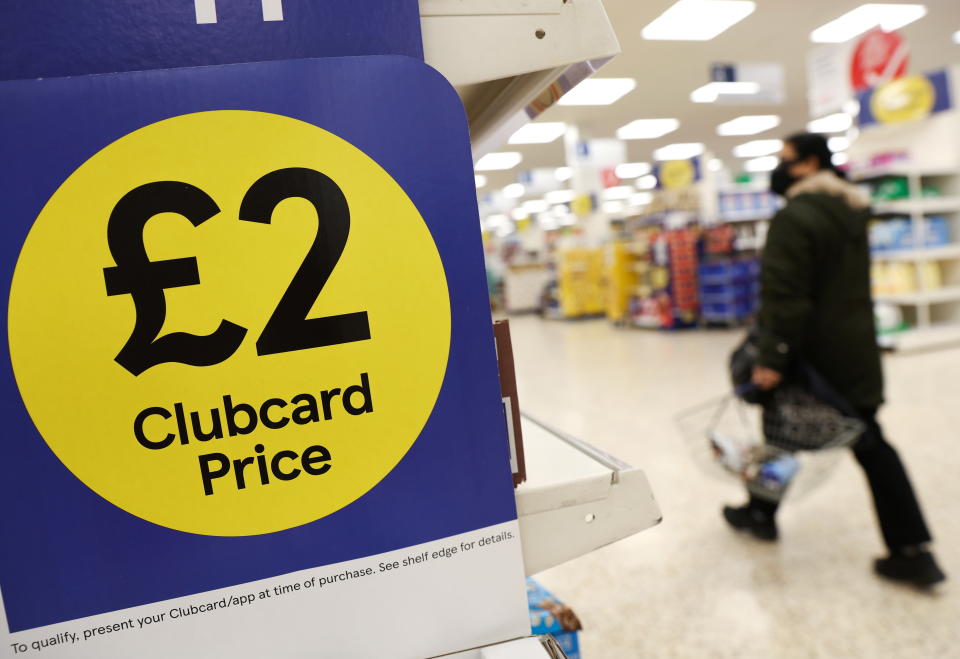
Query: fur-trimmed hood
[[828, 183]]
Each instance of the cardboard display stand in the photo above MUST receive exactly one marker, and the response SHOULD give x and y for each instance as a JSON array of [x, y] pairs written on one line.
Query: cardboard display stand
[[250, 388]]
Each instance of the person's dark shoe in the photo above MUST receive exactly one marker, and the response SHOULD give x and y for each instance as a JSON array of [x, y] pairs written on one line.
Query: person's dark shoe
[[919, 569], [753, 521]]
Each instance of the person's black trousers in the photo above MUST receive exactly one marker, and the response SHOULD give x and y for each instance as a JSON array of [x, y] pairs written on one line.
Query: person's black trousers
[[898, 510]]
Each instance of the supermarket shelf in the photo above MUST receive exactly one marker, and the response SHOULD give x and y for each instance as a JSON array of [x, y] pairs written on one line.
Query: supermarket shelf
[[874, 174], [925, 206], [576, 498], [752, 216], [919, 298], [942, 253], [927, 338]]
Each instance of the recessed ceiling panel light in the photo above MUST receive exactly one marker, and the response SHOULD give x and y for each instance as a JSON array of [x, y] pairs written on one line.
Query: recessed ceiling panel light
[[698, 20], [630, 170], [838, 144], [536, 206], [563, 174], [518, 214], [764, 164], [758, 148], [748, 125], [647, 129], [538, 133], [866, 17], [560, 196], [494, 221], [832, 123], [514, 191], [712, 91], [840, 159], [598, 91], [648, 182], [956, 37], [680, 151], [479, 180], [641, 199], [619, 192], [498, 161]]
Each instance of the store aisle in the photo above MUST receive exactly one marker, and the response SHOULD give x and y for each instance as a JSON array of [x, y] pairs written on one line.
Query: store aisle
[[691, 587]]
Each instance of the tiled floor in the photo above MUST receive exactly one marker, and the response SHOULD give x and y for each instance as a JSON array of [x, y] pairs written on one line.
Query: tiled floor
[[691, 587]]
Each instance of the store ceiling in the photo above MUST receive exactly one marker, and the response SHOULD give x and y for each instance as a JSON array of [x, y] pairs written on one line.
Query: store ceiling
[[667, 71]]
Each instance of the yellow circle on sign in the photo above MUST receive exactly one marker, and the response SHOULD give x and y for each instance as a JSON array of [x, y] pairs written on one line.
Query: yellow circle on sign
[[676, 174], [905, 99], [234, 447]]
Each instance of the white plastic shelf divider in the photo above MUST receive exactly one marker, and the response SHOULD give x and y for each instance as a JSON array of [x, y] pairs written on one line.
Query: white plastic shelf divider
[[576, 498], [937, 295], [923, 206], [942, 253]]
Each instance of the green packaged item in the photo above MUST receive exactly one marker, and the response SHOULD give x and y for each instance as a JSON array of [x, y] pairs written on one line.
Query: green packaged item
[[931, 191], [889, 189]]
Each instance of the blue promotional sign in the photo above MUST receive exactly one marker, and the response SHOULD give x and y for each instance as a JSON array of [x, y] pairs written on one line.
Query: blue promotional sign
[[250, 386], [909, 98], [75, 37]]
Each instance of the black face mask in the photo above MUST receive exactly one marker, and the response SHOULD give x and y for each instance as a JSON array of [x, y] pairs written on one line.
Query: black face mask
[[781, 180]]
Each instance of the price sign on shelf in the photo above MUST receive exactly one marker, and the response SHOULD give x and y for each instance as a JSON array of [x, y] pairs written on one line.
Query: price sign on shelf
[[248, 338], [238, 352]]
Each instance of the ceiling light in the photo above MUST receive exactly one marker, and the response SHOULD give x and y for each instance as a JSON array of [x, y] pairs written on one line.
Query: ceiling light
[[479, 180], [633, 170], [712, 91], [838, 144], [547, 223], [681, 151], [852, 107], [715, 165], [560, 196], [518, 214], [619, 192], [757, 148], [498, 161], [598, 91], [648, 182], [541, 133], [613, 207], [764, 164], [956, 37], [641, 199], [647, 129], [748, 125], [498, 220], [536, 206], [832, 123], [840, 159], [698, 20], [866, 17], [563, 174], [514, 191]]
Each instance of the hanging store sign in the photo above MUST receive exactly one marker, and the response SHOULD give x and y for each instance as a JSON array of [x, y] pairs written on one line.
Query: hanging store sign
[[911, 98], [251, 385], [75, 37]]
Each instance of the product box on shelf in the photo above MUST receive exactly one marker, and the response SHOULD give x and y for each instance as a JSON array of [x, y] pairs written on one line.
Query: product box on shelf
[[548, 615]]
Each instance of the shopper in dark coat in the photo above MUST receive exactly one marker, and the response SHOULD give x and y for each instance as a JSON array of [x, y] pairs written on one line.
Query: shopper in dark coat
[[816, 306]]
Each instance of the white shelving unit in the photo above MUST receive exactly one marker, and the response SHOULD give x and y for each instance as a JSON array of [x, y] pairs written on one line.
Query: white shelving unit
[[925, 153], [934, 313]]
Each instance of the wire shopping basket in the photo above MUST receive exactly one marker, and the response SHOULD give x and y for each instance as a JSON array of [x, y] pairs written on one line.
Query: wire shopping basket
[[793, 443]]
